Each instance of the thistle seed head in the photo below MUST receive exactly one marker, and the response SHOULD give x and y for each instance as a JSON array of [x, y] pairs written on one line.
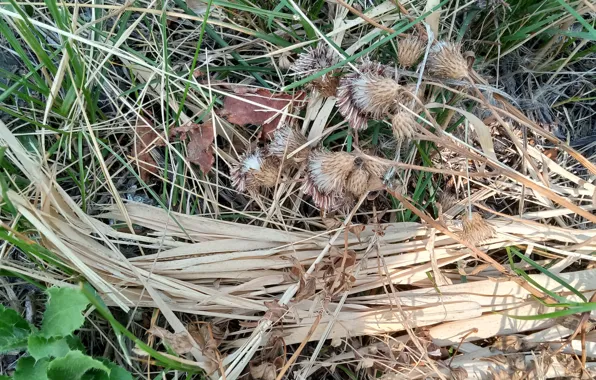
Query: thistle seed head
[[254, 171], [445, 60], [476, 229], [285, 141], [376, 169], [410, 49], [314, 60], [403, 124], [358, 179], [326, 175], [370, 94]]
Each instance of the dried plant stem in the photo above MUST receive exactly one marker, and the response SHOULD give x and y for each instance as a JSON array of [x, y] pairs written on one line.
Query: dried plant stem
[[478, 253], [291, 361], [365, 17]]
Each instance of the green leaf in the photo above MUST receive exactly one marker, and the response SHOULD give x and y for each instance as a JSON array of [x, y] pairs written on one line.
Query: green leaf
[[30, 369], [73, 366], [117, 372], [75, 344], [63, 314], [14, 330], [41, 347]]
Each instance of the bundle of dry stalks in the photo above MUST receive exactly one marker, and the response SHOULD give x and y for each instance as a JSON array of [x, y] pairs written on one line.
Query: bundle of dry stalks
[[254, 275]]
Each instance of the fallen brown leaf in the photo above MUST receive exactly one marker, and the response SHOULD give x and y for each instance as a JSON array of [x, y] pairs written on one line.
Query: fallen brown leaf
[[306, 288], [145, 136], [239, 112], [179, 342], [199, 149]]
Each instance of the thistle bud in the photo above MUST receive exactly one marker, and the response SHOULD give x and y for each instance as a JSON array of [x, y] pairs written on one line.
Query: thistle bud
[[410, 49], [326, 176], [476, 229], [445, 60], [314, 60], [285, 141], [369, 94], [403, 124], [255, 171]]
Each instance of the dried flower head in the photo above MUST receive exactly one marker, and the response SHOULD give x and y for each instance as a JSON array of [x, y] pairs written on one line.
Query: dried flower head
[[445, 60], [314, 60], [476, 229], [410, 49], [403, 124], [255, 171], [358, 180], [285, 141], [326, 176], [367, 94]]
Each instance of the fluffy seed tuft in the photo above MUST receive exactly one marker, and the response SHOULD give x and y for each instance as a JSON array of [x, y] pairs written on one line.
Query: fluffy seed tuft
[[285, 141], [445, 60], [326, 175], [403, 124], [255, 171], [370, 94], [314, 60], [410, 49], [476, 229]]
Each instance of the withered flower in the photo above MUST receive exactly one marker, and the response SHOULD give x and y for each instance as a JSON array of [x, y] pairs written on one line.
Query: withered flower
[[255, 171], [476, 229], [285, 141], [326, 175], [371, 93], [445, 60], [410, 49], [403, 124], [358, 180], [314, 60]]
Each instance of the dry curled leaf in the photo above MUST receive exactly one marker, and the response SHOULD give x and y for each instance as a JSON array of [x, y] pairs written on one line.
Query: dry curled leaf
[[199, 149], [263, 371], [306, 288], [508, 343], [145, 137], [275, 310], [178, 342], [240, 112]]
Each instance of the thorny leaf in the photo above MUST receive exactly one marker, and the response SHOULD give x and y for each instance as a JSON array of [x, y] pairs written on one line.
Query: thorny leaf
[[199, 149], [240, 112], [178, 342], [145, 136]]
